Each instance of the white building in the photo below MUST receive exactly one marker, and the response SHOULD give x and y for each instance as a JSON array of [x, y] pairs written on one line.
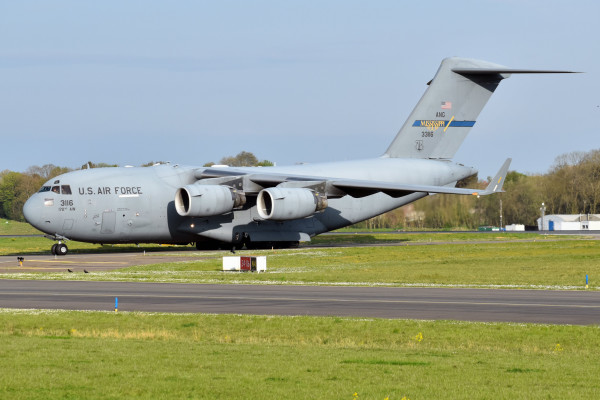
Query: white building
[[574, 222]]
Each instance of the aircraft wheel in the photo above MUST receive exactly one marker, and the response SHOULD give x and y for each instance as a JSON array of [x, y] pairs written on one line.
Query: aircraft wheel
[[53, 249], [62, 249]]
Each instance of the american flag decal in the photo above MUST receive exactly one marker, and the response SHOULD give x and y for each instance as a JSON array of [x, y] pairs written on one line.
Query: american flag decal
[[446, 105]]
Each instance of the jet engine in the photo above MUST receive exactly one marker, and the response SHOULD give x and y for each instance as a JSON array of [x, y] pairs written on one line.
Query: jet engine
[[281, 204], [207, 200]]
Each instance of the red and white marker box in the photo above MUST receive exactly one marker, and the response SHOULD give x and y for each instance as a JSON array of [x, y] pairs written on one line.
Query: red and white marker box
[[241, 263]]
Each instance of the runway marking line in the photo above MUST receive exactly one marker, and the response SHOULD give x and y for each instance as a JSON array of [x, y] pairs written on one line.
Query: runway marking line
[[310, 299], [41, 269], [78, 262]]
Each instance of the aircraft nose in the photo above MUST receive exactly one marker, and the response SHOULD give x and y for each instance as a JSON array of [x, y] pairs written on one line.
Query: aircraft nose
[[32, 211]]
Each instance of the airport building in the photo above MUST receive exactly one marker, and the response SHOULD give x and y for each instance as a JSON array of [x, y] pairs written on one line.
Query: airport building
[[573, 222], [515, 228]]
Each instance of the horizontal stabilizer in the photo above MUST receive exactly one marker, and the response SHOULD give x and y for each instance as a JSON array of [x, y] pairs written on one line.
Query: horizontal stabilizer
[[487, 71]]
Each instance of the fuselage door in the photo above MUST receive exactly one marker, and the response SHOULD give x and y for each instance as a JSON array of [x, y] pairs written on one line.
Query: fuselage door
[[108, 222], [67, 224]]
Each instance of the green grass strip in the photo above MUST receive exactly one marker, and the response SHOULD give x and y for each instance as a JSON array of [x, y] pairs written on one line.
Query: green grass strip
[[10, 227], [65, 354], [539, 264]]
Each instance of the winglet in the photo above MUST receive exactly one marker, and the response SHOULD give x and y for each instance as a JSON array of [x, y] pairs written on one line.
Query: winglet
[[496, 183]]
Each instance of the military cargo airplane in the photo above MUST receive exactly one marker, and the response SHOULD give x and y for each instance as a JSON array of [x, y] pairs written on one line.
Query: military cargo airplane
[[217, 207]]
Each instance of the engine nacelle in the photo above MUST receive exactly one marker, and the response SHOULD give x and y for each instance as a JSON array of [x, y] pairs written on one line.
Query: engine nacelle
[[281, 204], [207, 200]]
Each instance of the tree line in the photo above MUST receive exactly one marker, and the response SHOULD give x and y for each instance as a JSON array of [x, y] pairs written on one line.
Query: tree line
[[571, 186]]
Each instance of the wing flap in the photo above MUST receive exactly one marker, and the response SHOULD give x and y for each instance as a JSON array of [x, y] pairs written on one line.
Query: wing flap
[[366, 188]]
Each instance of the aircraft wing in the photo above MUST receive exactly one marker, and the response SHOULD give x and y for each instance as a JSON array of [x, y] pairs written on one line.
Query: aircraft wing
[[358, 188], [334, 187]]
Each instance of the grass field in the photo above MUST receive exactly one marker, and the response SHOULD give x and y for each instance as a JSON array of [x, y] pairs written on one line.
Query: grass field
[[459, 260], [60, 354], [10, 227]]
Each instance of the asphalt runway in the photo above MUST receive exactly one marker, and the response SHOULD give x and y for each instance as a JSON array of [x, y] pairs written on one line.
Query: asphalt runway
[[535, 306]]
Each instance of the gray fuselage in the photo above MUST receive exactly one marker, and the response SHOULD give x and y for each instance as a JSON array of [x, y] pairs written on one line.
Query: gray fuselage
[[136, 205]]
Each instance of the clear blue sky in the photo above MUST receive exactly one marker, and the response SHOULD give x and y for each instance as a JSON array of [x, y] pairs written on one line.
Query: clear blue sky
[[189, 82]]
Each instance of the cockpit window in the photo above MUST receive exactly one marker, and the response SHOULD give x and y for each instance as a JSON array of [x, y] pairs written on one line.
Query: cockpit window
[[64, 189]]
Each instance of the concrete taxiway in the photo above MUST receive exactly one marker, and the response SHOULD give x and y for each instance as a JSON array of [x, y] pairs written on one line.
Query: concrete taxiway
[[535, 306], [90, 262]]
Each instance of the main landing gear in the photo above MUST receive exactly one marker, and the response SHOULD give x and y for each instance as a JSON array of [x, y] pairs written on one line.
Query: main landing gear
[[59, 249]]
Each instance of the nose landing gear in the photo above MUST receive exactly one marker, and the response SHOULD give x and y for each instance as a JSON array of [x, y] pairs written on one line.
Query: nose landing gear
[[59, 249]]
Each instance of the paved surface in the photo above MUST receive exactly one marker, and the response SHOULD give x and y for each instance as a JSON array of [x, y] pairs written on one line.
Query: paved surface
[[89, 262], [555, 307]]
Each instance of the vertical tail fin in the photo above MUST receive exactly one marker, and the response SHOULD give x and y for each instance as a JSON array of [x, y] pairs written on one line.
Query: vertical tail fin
[[449, 108]]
